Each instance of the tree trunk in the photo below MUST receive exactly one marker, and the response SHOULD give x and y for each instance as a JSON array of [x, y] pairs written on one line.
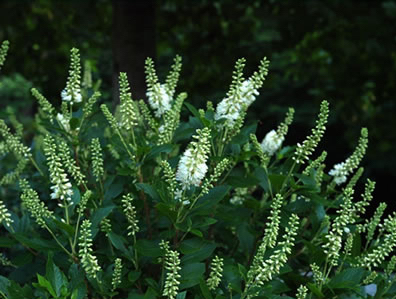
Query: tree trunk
[[133, 41]]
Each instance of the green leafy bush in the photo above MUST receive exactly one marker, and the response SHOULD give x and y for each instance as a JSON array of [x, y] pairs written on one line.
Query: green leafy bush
[[143, 203]]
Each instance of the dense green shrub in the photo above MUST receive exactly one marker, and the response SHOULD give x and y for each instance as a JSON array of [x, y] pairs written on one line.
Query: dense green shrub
[[142, 203]]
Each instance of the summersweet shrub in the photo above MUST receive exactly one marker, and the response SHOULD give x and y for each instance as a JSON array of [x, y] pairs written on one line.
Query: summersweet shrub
[[135, 201]]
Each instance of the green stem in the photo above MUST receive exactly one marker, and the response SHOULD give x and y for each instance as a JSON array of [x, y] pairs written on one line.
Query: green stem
[[36, 166], [59, 243]]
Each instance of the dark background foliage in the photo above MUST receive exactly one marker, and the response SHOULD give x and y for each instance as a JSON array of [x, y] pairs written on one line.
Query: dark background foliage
[[342, 51]]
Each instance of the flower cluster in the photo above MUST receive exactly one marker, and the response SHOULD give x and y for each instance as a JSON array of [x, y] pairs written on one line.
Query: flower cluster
[[13, 142], [302, 292], [83, 202], [34, 205], [70, 164], [160, 96], [3, 52], [5, 215], [216, 272], [273, 139], [61, 187], [97, 159], [273, 264], [304, 150], [45, 105], [242, 93], [88, 260], [341, 170], [172, 265], [72, 91], [192, 165], [64, 121], [130, 213], [128, 109], [116, 280]]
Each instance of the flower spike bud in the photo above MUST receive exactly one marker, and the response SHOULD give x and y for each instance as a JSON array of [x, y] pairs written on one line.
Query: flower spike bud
[[83, 202], [274, 139], [14, 175], [304, 150], [3, 52], [130, 214], [61, 187], [72, 91], [172, 265], [5, 215], [129, 113], [315, 163], [116, 280], [173, 76], [170, 177], [46, 106], [88, 260], [70, 164], [302, 292], [14, 142], [109, 117], [97, 159], [148, 117], [216, 272], [192, 165], [341, 170], [34, 205], [87, 109], [264, 157]]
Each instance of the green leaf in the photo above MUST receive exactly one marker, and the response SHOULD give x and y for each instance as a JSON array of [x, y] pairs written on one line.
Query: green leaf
[[181, 295], [149, 190], [205, 290], [150, 294], [46, 284], [36, 243], [64, 227], [148, 248], [196, 232], [211, 199], [166, 210], [101, 213], [54, 275], [242, 182], [156, 150], [347, 279], [113, 191], [191, 274], [134, 275], [196, 250], [315, 290], [7, 242], [117, 241]]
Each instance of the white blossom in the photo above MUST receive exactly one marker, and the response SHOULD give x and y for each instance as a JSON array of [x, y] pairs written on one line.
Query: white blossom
[[159, 99], [231, 107], [271, 142], [71, 96], [192, 165], [339, 173], [64, 121]]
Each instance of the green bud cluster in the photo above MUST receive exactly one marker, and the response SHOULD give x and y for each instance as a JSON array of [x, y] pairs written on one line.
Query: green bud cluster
[[88, 260], [14, 142], [151, 75], [45, 105], [130, 213], [14, 175], [129, 115], [171, 120], [70, 164], [172, 265], [173, 76], [391, 266], [302, 292], [72, 92], [283, 127], [370, 278], [317, 275], [97, 159], [34, 205], [216, 272], [5, 261], [315, 164], [5, 216], [116, 280], [3, 52], [83, 202], [61, 186], [222, 166], [147, 116], [355, 178], [334, 237], [270, 236], [105, 226], [304, 150], [170, 177], [88, 107], [109, 117], [264, 158], [278, 259]]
